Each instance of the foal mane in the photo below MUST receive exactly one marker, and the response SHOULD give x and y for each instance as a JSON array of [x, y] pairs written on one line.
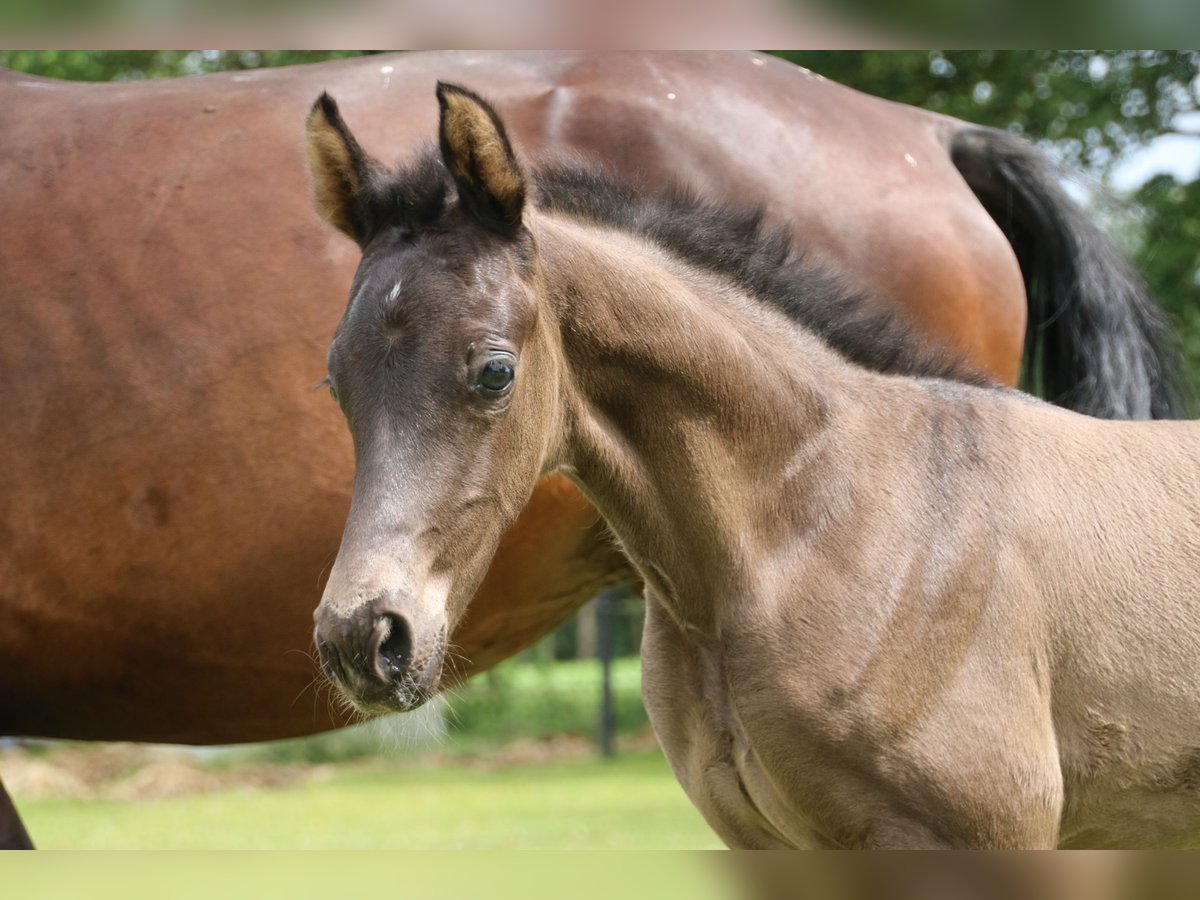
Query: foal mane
[[737, 243], [734, 242]]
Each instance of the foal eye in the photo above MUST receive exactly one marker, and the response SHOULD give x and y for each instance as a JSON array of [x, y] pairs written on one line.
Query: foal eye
[[333, 392], [495, 377]]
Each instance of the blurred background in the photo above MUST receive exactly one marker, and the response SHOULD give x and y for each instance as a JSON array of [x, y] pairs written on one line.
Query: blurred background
[[553, 748]]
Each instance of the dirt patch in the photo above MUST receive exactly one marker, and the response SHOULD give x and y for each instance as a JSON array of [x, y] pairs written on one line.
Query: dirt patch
[[164, 779], [128, 772], [536, 753], [36, 778], [92, 763], [136, 773]]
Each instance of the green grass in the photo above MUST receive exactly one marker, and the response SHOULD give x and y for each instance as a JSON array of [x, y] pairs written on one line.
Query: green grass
[[628, 802]]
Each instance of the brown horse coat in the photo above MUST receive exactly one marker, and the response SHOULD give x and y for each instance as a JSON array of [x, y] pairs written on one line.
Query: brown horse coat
[[883, 610]]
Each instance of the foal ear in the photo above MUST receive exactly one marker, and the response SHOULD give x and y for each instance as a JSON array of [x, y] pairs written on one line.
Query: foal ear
[[339, 170], [480, 157]]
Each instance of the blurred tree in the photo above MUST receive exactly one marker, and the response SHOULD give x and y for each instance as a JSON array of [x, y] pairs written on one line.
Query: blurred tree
[[132, 65], [1066, 101], [1062, 97], [1168, 255]]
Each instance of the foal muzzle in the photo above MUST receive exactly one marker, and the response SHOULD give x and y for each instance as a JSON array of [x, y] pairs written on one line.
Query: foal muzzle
[[374, 658]]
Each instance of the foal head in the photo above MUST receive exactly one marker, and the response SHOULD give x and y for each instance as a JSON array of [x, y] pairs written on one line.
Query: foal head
[[448, 378]]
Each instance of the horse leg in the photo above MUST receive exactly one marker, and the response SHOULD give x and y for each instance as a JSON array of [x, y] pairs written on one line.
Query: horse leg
[[13, 835], [958, 778]]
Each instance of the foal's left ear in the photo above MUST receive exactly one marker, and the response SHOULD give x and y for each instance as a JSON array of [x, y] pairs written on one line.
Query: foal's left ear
[[479, 155]]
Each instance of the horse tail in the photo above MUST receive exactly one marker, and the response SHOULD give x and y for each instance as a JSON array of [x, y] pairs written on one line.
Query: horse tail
[[1096, 342]]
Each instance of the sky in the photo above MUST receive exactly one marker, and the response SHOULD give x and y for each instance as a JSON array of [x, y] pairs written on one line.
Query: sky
[[1173, 154]]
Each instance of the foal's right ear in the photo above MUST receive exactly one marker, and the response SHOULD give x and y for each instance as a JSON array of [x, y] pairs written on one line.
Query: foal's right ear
[[339, 170]]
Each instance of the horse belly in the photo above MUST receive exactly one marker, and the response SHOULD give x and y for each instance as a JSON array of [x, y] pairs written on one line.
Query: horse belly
[[215, 646]]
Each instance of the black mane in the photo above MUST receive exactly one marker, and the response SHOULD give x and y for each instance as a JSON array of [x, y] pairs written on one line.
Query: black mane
[[733, 242], [737, 243]]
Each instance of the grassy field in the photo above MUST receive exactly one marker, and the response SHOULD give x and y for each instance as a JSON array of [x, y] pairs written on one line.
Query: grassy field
[[628, 802], [509, 762]]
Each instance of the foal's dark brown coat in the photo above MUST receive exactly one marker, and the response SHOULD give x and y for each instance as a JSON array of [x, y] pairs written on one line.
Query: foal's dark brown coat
[[883, 611]]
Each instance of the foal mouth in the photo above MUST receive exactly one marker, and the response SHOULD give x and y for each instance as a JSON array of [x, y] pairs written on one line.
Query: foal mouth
[[399, 699]]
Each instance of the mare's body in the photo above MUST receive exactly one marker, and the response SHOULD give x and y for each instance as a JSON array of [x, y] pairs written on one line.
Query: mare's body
[[172, 491], [884, 609]]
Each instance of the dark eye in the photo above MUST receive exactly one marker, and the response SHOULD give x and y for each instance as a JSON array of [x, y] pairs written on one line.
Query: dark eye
[[332, 391], [495, 377]]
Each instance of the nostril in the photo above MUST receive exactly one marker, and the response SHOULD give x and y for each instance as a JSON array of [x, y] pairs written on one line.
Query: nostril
[[395, 646]]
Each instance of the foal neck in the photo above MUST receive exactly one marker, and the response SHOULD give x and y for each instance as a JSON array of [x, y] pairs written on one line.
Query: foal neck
[[696, 417]]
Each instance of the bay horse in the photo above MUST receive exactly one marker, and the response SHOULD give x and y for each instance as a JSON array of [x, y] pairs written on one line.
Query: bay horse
[[172, 490], [885, 609]]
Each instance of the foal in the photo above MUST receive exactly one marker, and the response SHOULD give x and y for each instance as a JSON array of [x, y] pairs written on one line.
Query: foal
[[882, 611]]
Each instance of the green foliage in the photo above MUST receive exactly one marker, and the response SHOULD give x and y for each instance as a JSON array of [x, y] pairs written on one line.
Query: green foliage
[[364, 741], [1088, 107], [1168, 255], [627, 617], [134, 65], [1065, 97], [524, 701], [516, 700]]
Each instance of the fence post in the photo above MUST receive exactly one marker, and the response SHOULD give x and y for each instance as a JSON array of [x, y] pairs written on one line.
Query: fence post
[[604, 650]]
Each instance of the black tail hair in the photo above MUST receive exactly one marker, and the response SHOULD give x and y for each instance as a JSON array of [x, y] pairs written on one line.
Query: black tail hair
[[1096, 341]]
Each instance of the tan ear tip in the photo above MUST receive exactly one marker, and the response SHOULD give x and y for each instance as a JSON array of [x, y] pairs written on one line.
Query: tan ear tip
[[448, 92]]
